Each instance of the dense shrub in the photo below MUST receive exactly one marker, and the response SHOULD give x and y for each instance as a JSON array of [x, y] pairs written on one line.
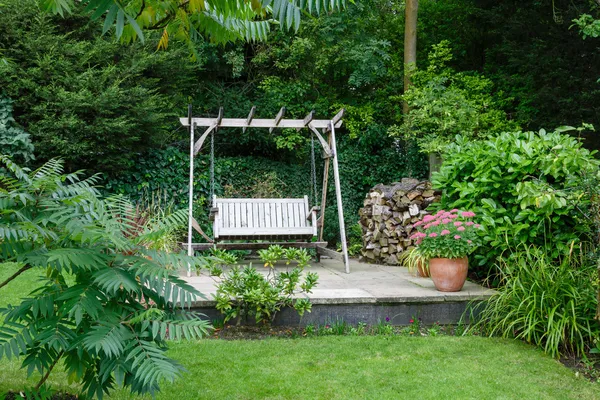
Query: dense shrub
[[524, 186], [444, 103], [87, 98], [545, 301], [14, 141]]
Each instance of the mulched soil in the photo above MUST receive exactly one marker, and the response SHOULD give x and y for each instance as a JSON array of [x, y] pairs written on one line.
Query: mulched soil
[[256, 332], [589, 369]]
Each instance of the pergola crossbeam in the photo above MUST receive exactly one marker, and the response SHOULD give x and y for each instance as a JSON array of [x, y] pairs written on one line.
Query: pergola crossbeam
[[257, 123]]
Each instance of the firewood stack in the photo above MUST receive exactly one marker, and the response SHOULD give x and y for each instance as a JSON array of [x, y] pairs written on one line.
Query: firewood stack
[[388, 215]]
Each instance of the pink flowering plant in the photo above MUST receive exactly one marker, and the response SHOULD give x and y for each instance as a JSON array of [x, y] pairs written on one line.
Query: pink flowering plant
[[447, 234]]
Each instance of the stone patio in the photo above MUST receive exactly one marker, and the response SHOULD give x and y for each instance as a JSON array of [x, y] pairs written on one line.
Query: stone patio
[[370, 293]]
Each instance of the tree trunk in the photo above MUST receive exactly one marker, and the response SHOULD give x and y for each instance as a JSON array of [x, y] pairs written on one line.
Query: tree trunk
[[410, 44]]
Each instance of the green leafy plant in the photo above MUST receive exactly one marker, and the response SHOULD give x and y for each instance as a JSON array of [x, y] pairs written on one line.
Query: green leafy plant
[[383, 328], [222, 20], [524, 186], [413, 260], [355, 240], [444, 103], [447, 234], [107, 302], [244, 291], [588, 26], [14, 141], [547, 302]]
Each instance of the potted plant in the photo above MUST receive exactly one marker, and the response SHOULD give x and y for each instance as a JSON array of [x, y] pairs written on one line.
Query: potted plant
[[446, 239], [416, 263]]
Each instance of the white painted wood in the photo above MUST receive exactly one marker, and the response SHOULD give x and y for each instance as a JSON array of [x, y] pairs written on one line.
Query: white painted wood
[[238, 216], [217, 223], [290, 214], [324, 144], [261, 215], [196, 147], [255, 208], [273, 207], [297, 220], [244, 212], [190, 250], [250, 215], [265, 217], [266, 231], [338, 195], [278, 215], [258, 123], [280, 201]]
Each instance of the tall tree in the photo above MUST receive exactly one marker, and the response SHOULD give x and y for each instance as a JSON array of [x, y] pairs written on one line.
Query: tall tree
[[410, 43]]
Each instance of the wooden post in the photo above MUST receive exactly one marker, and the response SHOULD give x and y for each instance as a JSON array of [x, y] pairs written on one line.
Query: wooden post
[[324, 192], [191, 190], [338, 195]]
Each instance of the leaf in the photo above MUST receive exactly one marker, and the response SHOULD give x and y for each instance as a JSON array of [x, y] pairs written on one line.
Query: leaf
[[120, 23], [135, 27], [110, 18]]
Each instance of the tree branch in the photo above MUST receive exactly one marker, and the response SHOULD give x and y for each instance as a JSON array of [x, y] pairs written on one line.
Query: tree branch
[[141, 9], [19, 272], [41, 382], [159, 24]]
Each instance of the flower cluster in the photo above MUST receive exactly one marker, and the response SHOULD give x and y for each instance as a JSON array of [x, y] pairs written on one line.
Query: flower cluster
[[448, 234]]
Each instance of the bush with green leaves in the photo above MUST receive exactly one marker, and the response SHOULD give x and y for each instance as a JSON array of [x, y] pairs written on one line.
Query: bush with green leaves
[[14, 141], [107, 302], [525, 187], [444, 103], [244, 292], [545, 301]]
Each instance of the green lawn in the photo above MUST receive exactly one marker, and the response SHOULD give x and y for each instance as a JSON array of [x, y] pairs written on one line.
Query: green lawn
[[346, 367]]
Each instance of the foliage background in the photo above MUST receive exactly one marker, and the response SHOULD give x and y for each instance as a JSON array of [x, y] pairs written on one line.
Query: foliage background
[[112, 107]]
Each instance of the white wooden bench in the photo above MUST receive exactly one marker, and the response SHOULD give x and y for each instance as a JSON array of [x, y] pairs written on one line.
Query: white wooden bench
[[263, 219]]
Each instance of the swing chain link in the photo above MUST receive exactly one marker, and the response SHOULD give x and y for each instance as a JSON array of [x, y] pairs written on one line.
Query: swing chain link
[[313, 169], [212, 167]]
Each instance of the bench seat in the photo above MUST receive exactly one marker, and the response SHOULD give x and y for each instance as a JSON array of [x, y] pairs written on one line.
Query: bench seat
[[263, 219]]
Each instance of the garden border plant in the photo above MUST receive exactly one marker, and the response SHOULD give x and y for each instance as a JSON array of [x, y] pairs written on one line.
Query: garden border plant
[[524, 186], [244, 292]]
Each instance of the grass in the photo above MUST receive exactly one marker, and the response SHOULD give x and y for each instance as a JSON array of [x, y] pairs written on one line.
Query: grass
[[348, 367]]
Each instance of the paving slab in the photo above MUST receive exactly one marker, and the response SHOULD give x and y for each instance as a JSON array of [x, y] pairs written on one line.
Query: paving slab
[[365, 284]]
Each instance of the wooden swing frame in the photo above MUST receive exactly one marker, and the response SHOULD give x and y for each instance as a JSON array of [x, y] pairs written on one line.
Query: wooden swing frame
[[327, 127]]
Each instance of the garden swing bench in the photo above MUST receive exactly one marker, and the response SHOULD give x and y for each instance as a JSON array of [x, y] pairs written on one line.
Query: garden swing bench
[[268, 220]]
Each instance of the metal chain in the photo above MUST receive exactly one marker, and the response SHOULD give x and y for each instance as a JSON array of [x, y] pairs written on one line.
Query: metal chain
[[212, 166], [313, 168]]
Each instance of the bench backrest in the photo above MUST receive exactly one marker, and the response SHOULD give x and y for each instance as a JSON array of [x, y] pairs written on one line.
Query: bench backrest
[[262, 217]]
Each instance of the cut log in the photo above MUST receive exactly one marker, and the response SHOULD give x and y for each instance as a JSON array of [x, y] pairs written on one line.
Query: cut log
[[388, 216]]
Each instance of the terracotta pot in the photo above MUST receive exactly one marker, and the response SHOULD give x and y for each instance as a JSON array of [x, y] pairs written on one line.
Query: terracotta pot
[[422, 269], [448, 274]]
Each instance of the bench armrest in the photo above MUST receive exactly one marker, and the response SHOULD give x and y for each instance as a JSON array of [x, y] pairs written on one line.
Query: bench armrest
[[214, 211], [313, 211]]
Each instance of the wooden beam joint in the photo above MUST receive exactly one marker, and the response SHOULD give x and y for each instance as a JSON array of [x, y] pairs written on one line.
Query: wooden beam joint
[[278, 119], [249, 119]]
